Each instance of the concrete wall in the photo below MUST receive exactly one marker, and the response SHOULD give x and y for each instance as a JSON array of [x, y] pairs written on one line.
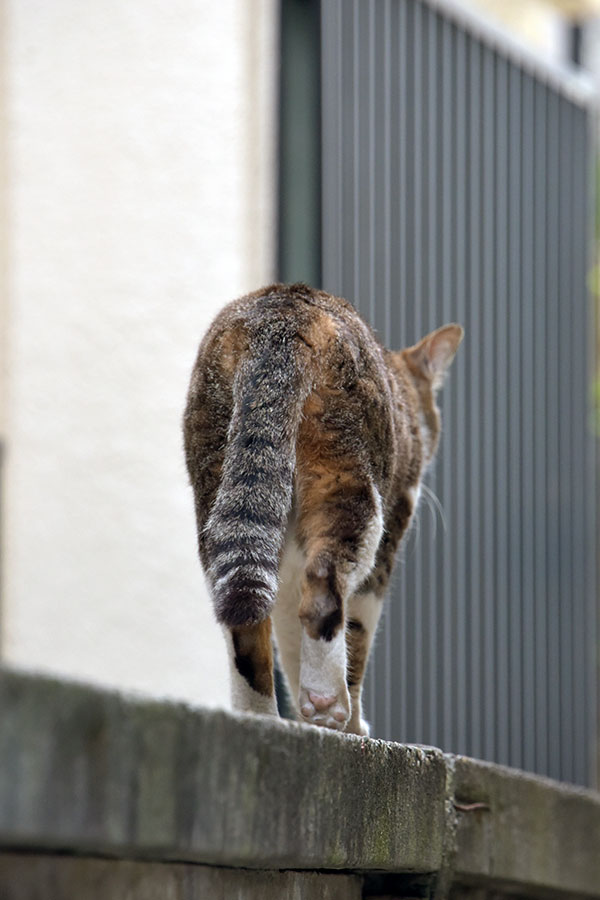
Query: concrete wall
[[137, 160], [172, 790], [22, 875]]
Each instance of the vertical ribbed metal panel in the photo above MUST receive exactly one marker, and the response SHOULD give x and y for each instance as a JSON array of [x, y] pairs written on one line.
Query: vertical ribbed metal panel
[[456, 187]]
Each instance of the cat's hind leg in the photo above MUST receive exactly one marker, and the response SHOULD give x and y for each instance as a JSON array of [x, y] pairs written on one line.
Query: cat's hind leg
[[364, 610], [340, 525], [286, 624], [251, 668]]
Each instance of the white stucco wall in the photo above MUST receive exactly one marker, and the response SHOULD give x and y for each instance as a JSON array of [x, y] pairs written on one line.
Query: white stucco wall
[[140, 157], [539, 24]]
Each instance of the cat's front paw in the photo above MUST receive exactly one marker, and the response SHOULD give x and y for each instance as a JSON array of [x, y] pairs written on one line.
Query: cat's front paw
[[326, 710]]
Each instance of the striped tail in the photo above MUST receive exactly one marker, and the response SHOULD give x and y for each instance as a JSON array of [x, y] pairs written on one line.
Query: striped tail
[[245, 530]]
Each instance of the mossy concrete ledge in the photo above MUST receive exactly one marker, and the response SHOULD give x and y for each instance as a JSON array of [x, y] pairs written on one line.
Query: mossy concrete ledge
[[93, 773]]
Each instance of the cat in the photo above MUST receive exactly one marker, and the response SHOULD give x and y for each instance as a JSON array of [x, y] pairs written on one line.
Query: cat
[[305, 444]]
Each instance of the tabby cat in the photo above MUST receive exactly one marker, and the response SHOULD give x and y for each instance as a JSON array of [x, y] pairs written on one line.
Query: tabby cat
[[305, 444]]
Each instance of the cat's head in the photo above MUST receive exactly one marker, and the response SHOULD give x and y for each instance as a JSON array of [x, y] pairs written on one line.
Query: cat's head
[[427, 363]]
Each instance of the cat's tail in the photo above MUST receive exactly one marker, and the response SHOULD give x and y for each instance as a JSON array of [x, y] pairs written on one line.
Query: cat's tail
[[246, 526]]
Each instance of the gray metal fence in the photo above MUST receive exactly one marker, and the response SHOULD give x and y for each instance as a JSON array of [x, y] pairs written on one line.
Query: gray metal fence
[[456, 185]]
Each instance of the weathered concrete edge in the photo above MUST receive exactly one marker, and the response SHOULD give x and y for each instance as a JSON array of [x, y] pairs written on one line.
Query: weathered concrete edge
[[85, 878], [514, 829], [94, 771]]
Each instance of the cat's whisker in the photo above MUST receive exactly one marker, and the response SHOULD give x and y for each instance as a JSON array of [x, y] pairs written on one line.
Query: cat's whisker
[[431, 508], [434, 505]]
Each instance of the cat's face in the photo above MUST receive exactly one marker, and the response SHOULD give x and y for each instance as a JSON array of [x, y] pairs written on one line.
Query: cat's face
[[427, 363]]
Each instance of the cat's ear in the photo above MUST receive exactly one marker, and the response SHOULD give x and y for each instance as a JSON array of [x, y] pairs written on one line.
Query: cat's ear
[[432, 356]]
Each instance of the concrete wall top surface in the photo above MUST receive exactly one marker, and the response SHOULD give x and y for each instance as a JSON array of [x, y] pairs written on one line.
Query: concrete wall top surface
[[93, 772]]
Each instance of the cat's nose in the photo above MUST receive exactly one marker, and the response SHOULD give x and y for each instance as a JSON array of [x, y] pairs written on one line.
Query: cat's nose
[[319, 702]]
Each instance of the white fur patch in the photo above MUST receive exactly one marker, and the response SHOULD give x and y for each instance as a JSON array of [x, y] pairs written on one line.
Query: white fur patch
[[366, 609], [287, 625], [323, 667], [251, 571], [414, 495], [323, 674], [368, 546], [243, 697]]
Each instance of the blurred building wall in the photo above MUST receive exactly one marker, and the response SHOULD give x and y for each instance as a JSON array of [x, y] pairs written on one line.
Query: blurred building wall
[[537, 23], [138, 172]]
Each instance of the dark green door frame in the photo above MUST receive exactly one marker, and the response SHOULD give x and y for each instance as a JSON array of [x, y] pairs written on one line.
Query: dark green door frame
[[299, 195]]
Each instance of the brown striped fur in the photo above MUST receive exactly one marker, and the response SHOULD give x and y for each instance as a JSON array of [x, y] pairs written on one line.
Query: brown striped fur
[[298, 420]]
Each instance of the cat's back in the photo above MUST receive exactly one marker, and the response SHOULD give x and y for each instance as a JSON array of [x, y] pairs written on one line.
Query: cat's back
[[325, 332]]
